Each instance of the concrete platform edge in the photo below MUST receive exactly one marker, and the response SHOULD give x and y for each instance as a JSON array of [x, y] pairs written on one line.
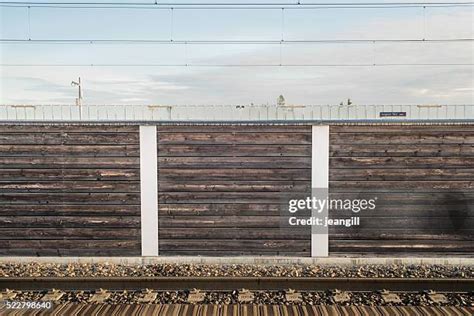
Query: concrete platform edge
[[247, 260]]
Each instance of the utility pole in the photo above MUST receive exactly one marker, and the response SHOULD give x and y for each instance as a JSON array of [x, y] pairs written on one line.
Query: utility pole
[[79, 98]]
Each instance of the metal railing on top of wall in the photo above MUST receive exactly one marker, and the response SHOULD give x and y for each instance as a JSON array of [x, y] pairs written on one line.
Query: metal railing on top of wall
[[164, 113]]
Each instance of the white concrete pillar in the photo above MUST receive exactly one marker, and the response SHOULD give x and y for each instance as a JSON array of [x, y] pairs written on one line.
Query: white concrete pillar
[[149, 190], [320, 185]]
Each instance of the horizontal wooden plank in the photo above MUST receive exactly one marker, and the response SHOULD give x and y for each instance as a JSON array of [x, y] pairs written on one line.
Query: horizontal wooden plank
[[426, 137], [71, 186], [219, 221], [235, 162], [444, 223], [393, 186], [395, 210], [421, 223], [68, 128], [392, 174], [412, 211], [69, 221], [235, 138], [222, 197], [233, 186], [371, 246], [399, 162], [234, 150], [69, 162], [233, 245], [70, 247], [70, 150], [389, 211], [173, 174], [463, 199], [402, 150], [233, 128], [101, 233], [70, 198], [231, 209], [233, 253], [68, 138], [402, 254], [401, 128], [69, 174], [233, 233], [276, 197], [60, 252], [69, 210], [402, 234]]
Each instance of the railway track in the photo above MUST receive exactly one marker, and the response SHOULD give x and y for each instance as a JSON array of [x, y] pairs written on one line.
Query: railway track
[[243, 310], [233, 283], [162, 306]]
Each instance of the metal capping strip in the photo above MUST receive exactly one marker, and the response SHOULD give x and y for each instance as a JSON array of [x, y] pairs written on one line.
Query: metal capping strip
[[375, 122], [239, 310]]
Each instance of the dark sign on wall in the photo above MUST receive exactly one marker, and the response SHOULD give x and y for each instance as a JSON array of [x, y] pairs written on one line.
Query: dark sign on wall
[[393, 114]]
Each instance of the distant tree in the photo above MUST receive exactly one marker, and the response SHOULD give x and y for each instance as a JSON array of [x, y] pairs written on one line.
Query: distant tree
[[281, 100]]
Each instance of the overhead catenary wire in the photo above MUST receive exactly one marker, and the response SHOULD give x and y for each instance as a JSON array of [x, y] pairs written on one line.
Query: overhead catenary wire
[[232, 5], [288, 3], [241, 65], [228, 41]]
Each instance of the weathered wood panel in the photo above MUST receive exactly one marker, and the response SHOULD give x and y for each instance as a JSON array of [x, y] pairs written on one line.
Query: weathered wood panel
[[235, 162], [69, 210], [423, 179], [69, 247], [70, 186], [227, 138], [235, 150], [404, 150], [221, 188], [69, 190], [69, 198], [69, 162], [235, 186], [425, 137], [222, 209], [69, 150], [70, 175], [414, 174], [234, 174], [256, 246], [402, 162], [84, 138]]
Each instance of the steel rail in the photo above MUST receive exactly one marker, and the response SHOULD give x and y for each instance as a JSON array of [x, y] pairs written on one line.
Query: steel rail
[[234, 283]]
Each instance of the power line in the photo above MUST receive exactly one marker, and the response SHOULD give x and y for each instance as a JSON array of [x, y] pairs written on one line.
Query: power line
[[235, 8], [242, 65], [249, 42], [295, 3], [234, 5]]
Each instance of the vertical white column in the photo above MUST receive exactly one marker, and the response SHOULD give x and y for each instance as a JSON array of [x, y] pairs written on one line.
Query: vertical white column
[[320, 182], [149, 190]]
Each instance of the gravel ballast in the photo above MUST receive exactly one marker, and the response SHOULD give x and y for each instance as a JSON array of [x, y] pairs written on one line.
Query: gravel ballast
[[201, 270]]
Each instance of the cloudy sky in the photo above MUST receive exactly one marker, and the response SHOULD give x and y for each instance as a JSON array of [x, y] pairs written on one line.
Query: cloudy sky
[[237, 85]]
